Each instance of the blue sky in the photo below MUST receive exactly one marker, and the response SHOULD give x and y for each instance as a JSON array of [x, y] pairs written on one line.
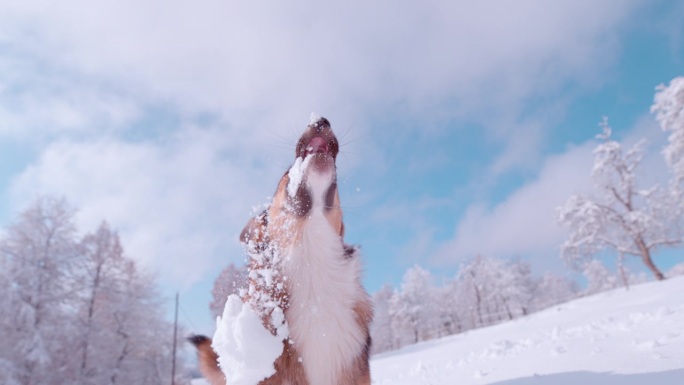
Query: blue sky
[[463, 124]]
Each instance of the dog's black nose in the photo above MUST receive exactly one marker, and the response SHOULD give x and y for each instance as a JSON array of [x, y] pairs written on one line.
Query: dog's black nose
[[320, 124]]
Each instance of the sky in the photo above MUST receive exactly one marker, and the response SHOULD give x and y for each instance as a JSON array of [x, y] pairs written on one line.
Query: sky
[[463, 124]]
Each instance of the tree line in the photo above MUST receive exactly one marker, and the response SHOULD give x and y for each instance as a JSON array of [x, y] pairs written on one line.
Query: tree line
[[75, 309], [484, 292]]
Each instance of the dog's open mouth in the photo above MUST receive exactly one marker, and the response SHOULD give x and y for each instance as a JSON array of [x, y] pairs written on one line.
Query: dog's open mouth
[[314, 163], [320, 155], [317, 145]]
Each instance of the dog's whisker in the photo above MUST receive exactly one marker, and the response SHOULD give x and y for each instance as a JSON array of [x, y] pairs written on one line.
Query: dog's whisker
[[354, 140], [281, 137], [354, 153], [281, 145], [346, 132]]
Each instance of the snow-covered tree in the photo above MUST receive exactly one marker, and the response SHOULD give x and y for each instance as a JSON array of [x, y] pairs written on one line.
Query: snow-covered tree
[[516, 287], [472, 289], [412, 309], [143, 339], [228, 282], [553, 289], [676, 270], [132, 342], [39, 250], [622, 216], [9, 372], [100, 275], [668, 105], [599, 278], [450, 310], [381, 327], [493, 290], [120, 318], [485, 291], [76, 312]]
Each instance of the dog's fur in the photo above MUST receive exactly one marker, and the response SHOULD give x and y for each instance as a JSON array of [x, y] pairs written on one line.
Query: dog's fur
[[326, 308]]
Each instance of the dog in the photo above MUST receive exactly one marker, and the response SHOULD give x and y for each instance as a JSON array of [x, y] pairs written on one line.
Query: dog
[[318, 277]]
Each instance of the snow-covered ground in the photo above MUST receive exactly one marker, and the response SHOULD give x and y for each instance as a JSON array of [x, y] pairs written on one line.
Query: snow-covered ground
[[617, 337]]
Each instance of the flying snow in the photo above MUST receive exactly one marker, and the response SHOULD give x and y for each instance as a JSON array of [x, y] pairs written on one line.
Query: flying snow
[[314, 117]]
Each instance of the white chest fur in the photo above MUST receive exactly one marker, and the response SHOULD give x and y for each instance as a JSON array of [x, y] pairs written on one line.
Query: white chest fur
[[323, 287]]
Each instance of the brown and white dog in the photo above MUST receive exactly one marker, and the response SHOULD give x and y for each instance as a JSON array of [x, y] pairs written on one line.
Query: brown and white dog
[[319, 277]]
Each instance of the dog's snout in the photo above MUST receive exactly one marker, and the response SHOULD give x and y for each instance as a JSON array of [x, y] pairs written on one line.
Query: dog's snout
[[317, 139]]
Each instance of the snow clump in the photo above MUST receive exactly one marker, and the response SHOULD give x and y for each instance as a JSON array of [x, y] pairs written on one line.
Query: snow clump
[[313, 118], [296, 174], [247, 349]]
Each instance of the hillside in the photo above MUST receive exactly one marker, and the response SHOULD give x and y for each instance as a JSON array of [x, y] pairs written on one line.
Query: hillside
[[616, 337]]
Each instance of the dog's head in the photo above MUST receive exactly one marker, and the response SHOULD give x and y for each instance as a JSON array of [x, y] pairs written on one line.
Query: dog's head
[[308, 188]]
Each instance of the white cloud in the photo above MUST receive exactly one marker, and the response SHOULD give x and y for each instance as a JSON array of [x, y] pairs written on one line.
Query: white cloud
[[270, 63], [39, 101], [178, 205], [524, 223]]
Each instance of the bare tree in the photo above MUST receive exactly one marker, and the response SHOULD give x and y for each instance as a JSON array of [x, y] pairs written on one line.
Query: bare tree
[[622, 216]]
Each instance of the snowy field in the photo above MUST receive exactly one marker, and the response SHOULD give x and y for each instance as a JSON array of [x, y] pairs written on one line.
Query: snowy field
[[617, 337]]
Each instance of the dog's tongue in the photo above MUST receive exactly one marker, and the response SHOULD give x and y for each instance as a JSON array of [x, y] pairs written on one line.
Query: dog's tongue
[[317, 146]]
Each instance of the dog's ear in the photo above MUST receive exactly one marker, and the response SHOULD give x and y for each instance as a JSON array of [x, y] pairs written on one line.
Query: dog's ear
[[199, 340], [254, 233], [207, 360]]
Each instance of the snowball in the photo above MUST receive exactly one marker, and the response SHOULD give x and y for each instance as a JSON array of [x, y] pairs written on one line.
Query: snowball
[[246, 349]]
